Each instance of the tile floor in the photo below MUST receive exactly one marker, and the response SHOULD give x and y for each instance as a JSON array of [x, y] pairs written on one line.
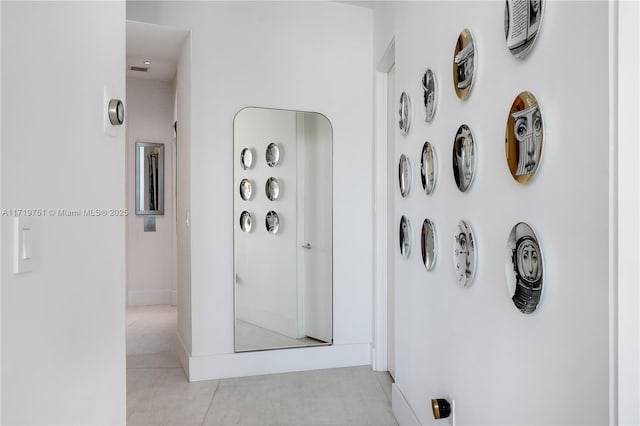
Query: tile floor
[[158, 392]]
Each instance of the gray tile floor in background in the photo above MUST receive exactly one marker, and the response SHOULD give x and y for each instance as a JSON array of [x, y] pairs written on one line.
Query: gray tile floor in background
[[158, 392]]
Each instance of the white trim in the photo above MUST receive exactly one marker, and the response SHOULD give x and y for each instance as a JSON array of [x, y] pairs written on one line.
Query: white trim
[[625, 213], [381, 211], [401, 409], [183, 355], [613, 208], [151, 297], [220, 366]]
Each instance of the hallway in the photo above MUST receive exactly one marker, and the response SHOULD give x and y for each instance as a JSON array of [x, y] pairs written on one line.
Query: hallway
[[159, 394]]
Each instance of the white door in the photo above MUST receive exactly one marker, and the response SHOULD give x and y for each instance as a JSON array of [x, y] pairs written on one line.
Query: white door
[[391, 128], [317, 235]]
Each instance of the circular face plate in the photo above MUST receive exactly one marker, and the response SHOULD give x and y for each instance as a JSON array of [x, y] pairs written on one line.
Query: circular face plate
[[272, 189], [404, 175], [522, 21], [246, 221], [405, 111], [524, 268], [246, 158], [405, 237], [430, 88], [464, 254], [464, 64], [272, 222], [464, 158], [524, 137], [429, 244], [428, 168], [246, 189], [272, 155]]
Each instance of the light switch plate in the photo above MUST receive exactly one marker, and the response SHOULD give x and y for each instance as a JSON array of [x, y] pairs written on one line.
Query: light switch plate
[[23, 240]]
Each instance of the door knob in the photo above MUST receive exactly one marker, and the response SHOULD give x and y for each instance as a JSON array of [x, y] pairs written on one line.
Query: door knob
[[306, 246]]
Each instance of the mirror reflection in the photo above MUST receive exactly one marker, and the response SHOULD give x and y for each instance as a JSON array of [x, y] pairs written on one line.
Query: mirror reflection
[[272, 189], [149, 178], [283, 289]]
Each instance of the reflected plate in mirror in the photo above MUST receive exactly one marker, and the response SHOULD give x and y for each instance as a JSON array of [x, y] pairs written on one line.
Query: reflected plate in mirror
[[524, 268], [404, 175], [246, 189], [430, 88], [246, 221], [272, 189], [428, 244], [464, 254], [524, 137], [405, 111], [405, 237], [464, 61], [464, 158], [272, 155], [428, 168], [246, 158], [522, 21], [272, 222]]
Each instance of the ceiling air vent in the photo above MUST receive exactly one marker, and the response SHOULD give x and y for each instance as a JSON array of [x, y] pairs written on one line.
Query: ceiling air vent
[[141, 69]]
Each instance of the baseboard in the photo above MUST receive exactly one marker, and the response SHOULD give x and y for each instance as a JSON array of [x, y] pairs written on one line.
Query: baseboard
[[271, 362], [149, 297], [174, 297], [183, 354], [401, 409]]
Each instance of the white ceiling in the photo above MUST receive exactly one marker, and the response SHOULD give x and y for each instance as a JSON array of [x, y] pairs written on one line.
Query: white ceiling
[[155, 43]]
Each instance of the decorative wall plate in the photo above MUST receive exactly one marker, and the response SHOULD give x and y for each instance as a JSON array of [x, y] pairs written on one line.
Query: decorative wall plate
[[404, 175], [522, 20], [246, 158], [524, 137], [246, 189], [428, 168], [429, 244], [272, 155], [405, 111], [464, 63], [272, 189], [405, 237], [246, 221], [272, 222], [464, 158], [464, 254], [430, 88], [523, 266]]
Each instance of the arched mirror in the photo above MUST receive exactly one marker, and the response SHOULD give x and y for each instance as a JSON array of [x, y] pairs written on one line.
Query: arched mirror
[[283, 267]]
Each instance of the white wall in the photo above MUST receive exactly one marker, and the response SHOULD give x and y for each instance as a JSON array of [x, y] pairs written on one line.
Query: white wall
[[627, 217], [307, 56], [151, 262], [63, 325], [471, 344], [183, 200]]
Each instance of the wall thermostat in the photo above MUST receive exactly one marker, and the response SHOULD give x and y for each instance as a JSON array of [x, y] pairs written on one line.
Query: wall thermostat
[[116, 112]]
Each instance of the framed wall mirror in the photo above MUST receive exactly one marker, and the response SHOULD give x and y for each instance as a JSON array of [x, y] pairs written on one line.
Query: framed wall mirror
[[283, 267], [149, 178]]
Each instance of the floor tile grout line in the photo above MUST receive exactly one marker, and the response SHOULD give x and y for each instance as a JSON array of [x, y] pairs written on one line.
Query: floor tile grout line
[[210, 403]]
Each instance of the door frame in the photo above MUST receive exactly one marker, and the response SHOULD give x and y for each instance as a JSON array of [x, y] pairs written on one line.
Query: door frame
[[381, 209]]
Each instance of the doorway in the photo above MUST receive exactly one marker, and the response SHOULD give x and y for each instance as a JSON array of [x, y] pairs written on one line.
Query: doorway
[[384, 328], [157, 271]]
